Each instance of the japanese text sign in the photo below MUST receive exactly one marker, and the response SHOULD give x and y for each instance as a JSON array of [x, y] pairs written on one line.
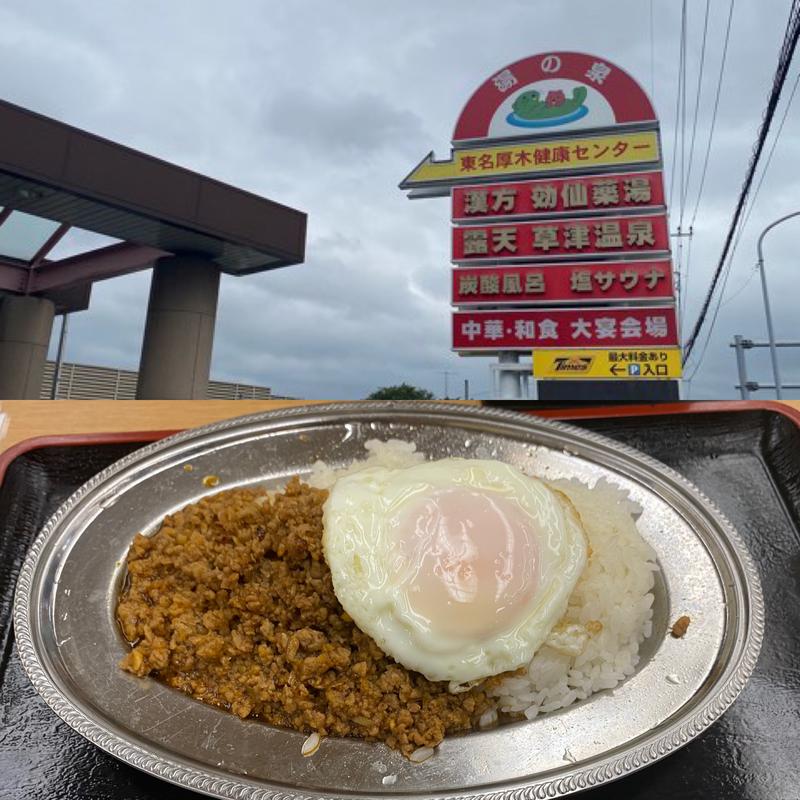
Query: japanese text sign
[[553, 91], [578, 195], [559, 212], [594, 282], [571, 238], [620, 364], [521, 329], [571, 154]]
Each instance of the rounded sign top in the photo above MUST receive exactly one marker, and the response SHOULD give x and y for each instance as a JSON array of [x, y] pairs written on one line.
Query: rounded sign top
[[553, 92]]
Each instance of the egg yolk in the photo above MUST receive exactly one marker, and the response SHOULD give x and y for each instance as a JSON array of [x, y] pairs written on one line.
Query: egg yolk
[[467, 560]]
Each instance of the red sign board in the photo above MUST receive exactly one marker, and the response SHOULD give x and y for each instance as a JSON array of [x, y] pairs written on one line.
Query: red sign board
[[573, 261], [598, 194], [563, 238], [520, 329], [553, 91], [546, 284]]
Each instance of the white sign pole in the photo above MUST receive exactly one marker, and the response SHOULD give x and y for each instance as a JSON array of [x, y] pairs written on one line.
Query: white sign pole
[[509, 379]]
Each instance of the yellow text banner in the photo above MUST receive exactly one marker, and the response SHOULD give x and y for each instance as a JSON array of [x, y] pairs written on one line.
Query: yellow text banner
[[622, 364], [568, 155]]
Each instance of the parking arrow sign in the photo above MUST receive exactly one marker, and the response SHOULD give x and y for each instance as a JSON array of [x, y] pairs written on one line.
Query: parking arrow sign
[[648, 363]]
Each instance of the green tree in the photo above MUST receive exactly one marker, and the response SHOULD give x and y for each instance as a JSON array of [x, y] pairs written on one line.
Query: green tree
[[405, 391]]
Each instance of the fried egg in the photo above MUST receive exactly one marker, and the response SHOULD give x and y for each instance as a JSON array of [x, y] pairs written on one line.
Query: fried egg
[[457, 568]]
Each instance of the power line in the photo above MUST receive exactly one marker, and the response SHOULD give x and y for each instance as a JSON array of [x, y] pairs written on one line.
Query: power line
[[652, 55], [680, 131], [683, 113], [753, 272], [685, 190], [750, 205], [697, 101], [772, 150], [784, 60], [681, 67], [751, 202], [718, 306], [721, 296], [714, 113]]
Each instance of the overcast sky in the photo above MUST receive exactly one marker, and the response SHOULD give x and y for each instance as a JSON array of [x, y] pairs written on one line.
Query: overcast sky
[[326, 106]]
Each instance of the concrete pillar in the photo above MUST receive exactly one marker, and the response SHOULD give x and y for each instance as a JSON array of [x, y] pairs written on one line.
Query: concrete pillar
[[179, 332], [25, 327]]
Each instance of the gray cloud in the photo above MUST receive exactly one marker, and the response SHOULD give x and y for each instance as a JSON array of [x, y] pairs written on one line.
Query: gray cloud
[[356, 125], [327, 106]]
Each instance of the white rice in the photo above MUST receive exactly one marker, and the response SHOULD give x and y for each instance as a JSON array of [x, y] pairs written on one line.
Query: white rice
[[392, 454], [596, 644], [615, 590], [311, 744], [421, 754]]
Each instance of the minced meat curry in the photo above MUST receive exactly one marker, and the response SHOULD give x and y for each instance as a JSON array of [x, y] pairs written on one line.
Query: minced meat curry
[[231, 601]]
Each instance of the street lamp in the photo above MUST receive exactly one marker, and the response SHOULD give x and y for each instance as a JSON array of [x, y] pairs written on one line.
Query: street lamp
[[773, 351]]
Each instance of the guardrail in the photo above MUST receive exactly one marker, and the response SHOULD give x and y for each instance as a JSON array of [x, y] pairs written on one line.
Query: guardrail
[[745, 386]]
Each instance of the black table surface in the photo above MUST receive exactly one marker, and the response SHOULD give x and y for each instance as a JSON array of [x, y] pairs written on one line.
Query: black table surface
[[747, 462]]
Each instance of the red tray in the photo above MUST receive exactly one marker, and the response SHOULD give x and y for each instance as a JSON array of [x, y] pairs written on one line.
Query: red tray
[[577, 413]]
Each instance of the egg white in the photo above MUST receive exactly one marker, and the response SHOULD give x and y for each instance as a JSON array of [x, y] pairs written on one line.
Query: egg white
[[358, 547]]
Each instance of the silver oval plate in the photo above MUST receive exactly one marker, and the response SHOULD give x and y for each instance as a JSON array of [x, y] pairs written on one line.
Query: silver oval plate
[[70, 644]]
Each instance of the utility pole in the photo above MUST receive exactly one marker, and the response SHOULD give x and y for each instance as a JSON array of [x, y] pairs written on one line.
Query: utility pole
[[681, 286], [446, 374]]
